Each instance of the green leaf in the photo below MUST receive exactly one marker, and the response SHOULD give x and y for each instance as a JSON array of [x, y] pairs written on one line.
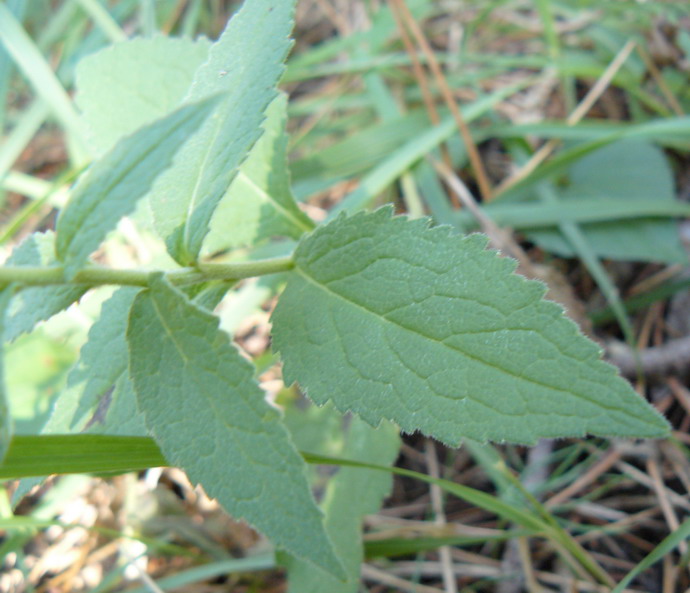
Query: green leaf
[[36, 369], [391, 319], [665, 547], [130, 84], [259, 203], [37, 303], [5, 414], [245, 64], [352, 494], [98, 397], [208, 415], [100, 377], [626, 170], [111, 188]]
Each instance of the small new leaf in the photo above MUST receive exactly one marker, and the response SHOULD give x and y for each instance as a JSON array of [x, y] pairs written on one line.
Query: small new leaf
[[391, 319], [209, 416]]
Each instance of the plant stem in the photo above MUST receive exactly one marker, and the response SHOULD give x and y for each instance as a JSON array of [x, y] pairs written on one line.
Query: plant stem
[[97, 275]]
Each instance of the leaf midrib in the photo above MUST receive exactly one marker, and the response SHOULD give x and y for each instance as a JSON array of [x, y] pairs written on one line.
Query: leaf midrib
[[276, 205], [475, 358]]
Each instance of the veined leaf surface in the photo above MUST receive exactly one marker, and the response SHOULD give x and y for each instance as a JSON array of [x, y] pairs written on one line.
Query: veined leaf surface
[[259, 203], [209, 416], [113, 185], [391, 319], [100, 375], [130, 84], [245, 64], [37, 303]]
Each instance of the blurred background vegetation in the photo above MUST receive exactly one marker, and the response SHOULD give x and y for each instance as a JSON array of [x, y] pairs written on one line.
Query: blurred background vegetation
[[556, 127]]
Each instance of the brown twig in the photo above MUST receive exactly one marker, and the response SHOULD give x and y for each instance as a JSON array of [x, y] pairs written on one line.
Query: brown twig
[[657, 361], [472, 152], [601, 466], [449, 582], [580, 111], [422, 82], [661, 83]]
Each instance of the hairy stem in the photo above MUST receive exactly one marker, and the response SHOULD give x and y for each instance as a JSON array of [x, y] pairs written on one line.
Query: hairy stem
[[97, 275]]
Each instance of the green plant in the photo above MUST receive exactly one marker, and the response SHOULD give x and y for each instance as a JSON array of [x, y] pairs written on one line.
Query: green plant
[[401, 323]]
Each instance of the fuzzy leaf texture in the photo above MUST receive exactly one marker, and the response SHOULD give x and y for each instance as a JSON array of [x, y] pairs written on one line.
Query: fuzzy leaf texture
[[392, 319], [130, 84], [245, 65], [37, 303], [99, 383], [209, 416], [99, 397], [114, 184], [259, 203]]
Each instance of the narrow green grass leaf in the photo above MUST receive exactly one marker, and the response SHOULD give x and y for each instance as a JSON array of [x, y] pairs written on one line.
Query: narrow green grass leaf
[[404, 546], [477, 498], [102, 18], [195, 389], [351, 495], [259, 203], [36, 69], [23, 131], [578, 208], [664, 548], [219, 569], [391, 319], [67, 454], [575, 236], [44, 455], [113, 185], [18, 9], [130, 84], [626, 170], [412, 151], [667, 131], [5, 412], [37, 303], [245, 65]]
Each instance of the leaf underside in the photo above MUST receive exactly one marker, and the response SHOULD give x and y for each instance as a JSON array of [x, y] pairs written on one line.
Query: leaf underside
[[209, 416], [391, 319]]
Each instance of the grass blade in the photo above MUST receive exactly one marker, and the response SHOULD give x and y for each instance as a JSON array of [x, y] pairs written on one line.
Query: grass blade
[[42, 78]]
